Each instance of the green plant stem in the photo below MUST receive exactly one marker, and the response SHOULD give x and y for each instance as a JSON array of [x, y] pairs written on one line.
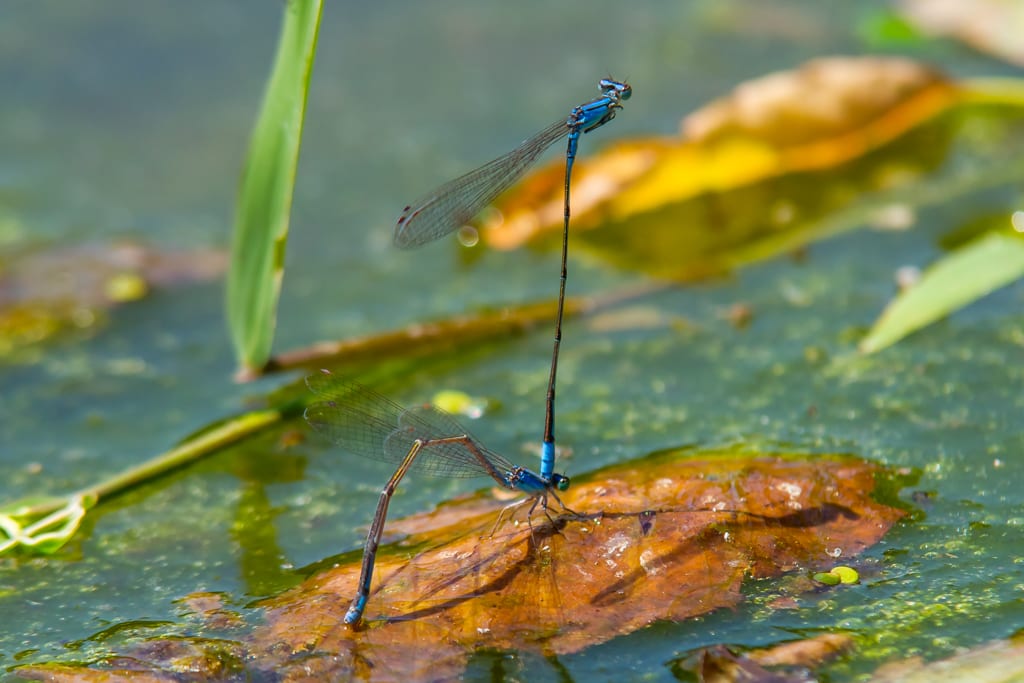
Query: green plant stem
[[184, 454], [994, 91]]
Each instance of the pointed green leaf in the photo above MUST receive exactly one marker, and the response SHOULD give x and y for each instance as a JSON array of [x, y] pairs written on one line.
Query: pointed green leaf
[[963, 276], [265, 194]]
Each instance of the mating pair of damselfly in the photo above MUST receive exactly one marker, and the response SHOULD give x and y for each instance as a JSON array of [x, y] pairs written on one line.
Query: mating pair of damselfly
[[427, 439]]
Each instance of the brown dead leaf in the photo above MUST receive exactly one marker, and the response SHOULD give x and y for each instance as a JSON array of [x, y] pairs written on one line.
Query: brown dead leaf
[[791, 662], [810, 652], [719, 665], [436, 336], [423, 338], [664, 539]]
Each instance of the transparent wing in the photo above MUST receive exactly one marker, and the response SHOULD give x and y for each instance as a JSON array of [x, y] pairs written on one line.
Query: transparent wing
[[455, 203], [370, 425]]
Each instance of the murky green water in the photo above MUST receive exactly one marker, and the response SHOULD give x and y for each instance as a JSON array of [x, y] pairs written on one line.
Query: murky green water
[[129, 121]]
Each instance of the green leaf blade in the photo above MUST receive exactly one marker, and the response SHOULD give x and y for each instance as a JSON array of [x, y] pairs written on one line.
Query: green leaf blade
[[965, 275], [266, 189]]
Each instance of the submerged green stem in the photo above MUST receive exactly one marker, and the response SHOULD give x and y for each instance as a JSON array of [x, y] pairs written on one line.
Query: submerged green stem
[[69, 511], [994, 91], [191, 450]]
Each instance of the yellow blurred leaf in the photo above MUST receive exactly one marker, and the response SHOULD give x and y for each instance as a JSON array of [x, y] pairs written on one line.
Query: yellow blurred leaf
[[826, 113]]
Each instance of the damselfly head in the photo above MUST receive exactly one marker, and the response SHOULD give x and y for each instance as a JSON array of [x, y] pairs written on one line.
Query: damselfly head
[[618, 89], [560, 481]]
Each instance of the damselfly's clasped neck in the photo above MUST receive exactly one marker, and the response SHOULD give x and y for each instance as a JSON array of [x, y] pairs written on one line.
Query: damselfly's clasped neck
[[424, 439]]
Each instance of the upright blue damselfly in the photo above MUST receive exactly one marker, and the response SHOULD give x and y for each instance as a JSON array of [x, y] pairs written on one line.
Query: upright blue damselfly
[[424, 439], [455, 203]]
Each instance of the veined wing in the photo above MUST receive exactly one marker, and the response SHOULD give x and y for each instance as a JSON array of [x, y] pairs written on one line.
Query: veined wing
[[370, 425], [455, 203]]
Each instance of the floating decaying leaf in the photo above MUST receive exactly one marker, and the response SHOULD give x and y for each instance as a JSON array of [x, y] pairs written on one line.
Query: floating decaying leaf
[[665, 538], [44, 292], [662, 204], [809, 652], [992, 26], [968, 273], [717, 664], [1000, 660]]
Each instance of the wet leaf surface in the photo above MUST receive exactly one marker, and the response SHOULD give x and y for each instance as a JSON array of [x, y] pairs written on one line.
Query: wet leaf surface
[[668, 537]]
